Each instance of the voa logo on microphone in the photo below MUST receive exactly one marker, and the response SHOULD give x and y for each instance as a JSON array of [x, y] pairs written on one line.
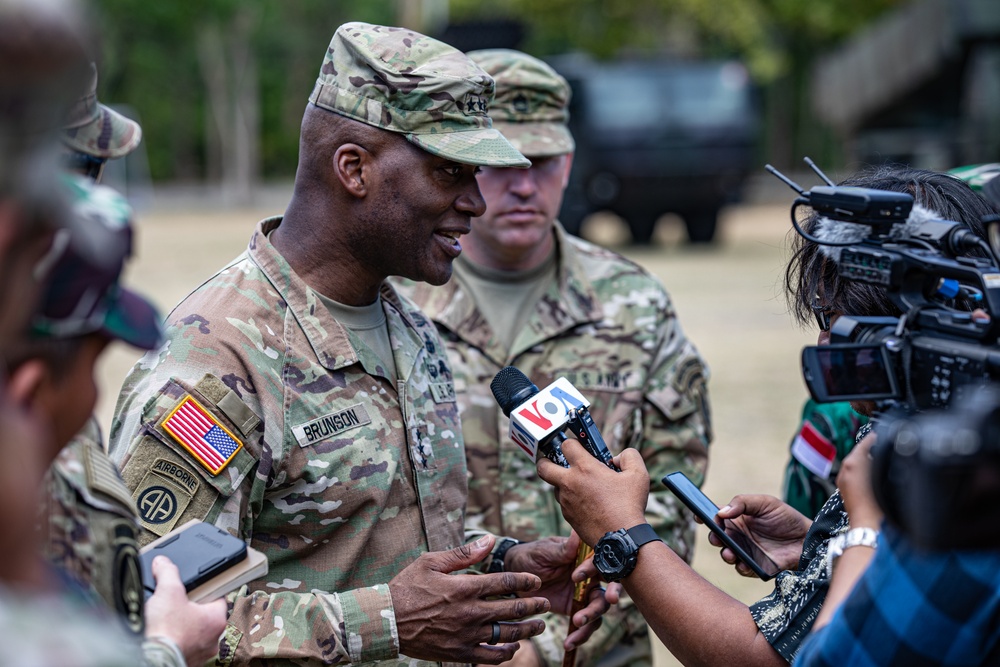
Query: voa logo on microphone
[[543, 414]]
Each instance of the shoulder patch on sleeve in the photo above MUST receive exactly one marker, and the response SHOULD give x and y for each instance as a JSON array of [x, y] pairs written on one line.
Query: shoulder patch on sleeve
[[103, 477], [201, 434]]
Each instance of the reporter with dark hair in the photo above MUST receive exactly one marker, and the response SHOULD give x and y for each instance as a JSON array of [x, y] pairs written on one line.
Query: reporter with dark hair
[[698, 623], [902, 605]]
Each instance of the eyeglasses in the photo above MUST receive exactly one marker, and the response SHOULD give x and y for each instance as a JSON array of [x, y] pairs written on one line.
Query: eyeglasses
[[822, 313]]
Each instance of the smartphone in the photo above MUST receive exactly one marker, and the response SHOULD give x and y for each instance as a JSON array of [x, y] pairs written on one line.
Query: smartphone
[[745, 548], [848, 372], [200, 552]]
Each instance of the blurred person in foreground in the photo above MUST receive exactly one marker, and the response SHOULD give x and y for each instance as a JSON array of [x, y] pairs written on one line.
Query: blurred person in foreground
[[89, 516], [301, 404], [42, 622], [526, 293], [901, 604], [698, 623]]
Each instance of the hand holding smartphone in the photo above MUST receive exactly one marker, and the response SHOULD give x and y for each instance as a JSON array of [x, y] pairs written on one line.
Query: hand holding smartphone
[[739, 542]]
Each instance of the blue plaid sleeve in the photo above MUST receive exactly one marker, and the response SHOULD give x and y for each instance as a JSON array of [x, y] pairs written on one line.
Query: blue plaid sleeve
[[914, 608]]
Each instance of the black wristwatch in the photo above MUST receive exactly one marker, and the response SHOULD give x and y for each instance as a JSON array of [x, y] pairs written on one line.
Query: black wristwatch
[[496, 562], [616, 554]]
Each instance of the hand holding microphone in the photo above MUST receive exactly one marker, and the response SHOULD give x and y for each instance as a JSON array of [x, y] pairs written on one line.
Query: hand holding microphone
[[538, 419]]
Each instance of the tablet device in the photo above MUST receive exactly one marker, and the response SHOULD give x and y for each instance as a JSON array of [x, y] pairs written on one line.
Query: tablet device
[[200, 551], [739, 542]]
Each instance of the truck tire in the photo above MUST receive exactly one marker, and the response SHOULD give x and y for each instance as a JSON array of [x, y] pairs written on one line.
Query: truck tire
[[701, 224]]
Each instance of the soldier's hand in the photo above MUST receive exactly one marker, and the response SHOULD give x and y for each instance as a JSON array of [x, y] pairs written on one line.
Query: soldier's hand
[[452, 617], [553, 559], [194, 627]]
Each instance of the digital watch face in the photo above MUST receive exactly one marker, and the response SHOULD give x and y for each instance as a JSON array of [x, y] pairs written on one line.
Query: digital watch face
[[848, 372]]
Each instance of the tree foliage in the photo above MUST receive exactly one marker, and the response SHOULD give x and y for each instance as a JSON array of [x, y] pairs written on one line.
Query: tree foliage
[[162, 58]]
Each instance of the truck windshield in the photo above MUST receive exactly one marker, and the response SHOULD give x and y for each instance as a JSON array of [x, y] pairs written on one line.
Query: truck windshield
[[671, 95]]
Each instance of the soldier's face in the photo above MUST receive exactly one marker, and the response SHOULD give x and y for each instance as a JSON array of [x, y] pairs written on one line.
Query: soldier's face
[[521, 205], [422, 205]]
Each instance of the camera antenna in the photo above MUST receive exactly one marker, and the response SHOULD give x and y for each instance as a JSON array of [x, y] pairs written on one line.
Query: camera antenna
[[789, 182], [819, 172]]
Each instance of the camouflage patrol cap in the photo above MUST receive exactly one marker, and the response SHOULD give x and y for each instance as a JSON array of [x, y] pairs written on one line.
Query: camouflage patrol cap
[[83, 293], [399, 80], [531, 102], [97, 130]]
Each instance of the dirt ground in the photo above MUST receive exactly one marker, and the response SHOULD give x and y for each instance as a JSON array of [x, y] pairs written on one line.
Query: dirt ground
[[728, 296]]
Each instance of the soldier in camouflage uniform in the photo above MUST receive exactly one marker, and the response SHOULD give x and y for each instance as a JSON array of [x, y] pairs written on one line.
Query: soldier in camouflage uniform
[[301, 404], [527, 294], [89, 519]]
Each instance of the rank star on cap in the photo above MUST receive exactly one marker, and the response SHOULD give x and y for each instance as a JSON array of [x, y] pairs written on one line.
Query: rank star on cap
[[475, 105]]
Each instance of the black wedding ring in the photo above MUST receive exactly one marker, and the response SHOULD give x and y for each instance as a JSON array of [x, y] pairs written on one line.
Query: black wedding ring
[[495, 637]]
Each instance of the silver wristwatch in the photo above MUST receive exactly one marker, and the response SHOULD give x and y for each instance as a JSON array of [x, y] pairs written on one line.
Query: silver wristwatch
[[855, 537]]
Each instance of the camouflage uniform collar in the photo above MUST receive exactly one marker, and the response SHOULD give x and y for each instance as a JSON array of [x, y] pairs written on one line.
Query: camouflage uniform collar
[[329, 339], [572, 301]]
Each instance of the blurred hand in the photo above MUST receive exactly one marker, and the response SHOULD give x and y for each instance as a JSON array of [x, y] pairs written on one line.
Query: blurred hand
[[777, 527], [855, 484], [194, 627]]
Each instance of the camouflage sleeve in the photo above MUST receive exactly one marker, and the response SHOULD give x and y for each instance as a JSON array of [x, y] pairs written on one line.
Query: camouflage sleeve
[[331, 628], [675, 431], [162, 652]]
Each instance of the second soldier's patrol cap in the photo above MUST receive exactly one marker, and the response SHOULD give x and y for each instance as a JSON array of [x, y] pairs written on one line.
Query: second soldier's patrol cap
[[401, 81], [531, 104], [83, 292], [97, 130]]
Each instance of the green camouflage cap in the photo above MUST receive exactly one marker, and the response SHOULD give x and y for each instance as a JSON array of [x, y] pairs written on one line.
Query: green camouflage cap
[[531, 104], [83, 292], [96, 130], [399, 80]]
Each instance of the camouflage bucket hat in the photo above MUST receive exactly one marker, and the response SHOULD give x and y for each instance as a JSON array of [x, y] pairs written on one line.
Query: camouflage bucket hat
[[399, 80], [83, 293], [530, 107], [96, 130]]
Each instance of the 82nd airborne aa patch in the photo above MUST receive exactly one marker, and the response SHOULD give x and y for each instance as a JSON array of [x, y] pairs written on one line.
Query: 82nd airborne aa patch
[[202, 435]]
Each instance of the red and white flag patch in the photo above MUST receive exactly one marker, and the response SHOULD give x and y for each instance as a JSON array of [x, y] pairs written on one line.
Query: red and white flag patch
[[208, 441], [813, 450]]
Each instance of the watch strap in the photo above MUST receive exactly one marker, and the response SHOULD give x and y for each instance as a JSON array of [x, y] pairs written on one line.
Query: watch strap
[[497, 561], [642, 534], [855, 537]]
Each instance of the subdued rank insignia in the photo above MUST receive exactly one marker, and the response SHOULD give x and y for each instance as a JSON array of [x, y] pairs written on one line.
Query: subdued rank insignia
[[444, 392], [208, 441]]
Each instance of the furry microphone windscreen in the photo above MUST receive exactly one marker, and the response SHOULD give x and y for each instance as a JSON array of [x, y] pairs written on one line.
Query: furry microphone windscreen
[[838, 231]]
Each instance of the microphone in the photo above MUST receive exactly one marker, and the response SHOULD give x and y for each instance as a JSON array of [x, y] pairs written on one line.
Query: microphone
[[539, 417]]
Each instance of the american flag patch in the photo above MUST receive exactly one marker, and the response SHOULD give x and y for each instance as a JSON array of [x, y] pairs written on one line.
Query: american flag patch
[[208, 441]]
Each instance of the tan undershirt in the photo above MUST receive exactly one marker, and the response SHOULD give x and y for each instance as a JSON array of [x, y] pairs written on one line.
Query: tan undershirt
[[369, 324], [506, 298]]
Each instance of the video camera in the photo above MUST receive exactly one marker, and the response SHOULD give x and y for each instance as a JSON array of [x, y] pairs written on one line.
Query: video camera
[[936, 472], [936, 351]]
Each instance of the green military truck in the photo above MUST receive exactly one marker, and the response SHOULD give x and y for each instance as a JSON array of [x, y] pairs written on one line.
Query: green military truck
[[655, 137]]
